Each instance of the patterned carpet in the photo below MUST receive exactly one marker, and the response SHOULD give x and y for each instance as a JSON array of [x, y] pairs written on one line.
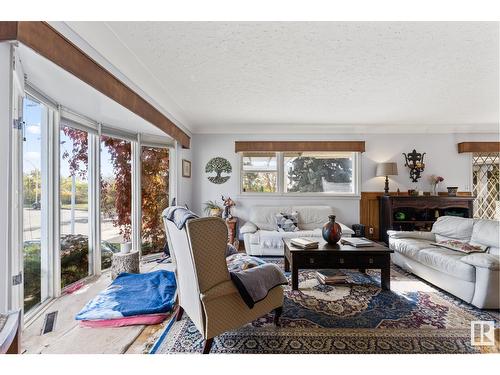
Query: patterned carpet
[[357, 317]]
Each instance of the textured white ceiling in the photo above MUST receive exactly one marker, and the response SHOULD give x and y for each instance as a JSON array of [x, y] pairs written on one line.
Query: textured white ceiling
[[310, 76]]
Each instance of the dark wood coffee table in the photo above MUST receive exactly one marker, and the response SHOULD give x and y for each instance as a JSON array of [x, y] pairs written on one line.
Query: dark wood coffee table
[[336, 257]]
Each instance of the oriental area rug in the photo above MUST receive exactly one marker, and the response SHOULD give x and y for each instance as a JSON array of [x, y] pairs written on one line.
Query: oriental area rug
[[352, 318]]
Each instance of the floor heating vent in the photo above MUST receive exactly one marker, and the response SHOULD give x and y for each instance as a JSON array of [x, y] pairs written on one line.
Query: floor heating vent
[[49, 323]]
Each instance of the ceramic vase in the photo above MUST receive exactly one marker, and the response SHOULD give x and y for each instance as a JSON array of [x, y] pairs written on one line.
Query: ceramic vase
[[331, 231], [435, 189]]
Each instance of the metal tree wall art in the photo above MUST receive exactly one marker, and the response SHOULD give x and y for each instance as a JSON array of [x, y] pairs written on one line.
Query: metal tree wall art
[[218, 165], [415, 161]]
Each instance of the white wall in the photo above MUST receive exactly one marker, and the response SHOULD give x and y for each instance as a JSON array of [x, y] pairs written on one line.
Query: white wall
[[441, 158], [4, 172], [184, 184]]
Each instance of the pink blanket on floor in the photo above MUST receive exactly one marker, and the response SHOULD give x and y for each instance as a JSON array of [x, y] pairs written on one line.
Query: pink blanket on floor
[[147, 319]]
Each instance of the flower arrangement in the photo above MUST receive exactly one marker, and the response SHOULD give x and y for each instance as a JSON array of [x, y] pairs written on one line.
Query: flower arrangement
[[434, 181]]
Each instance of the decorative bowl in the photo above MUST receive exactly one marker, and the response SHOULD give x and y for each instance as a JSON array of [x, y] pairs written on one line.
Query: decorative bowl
[[452, 191]]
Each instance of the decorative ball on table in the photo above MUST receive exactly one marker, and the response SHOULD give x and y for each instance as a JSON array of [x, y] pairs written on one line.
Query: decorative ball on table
[[332, 231]]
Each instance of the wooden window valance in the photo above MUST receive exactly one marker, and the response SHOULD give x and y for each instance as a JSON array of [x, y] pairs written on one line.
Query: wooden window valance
[[301, 146], [478, 147]]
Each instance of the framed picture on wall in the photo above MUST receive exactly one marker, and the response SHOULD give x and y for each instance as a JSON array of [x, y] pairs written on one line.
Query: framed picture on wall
[[186, 168]]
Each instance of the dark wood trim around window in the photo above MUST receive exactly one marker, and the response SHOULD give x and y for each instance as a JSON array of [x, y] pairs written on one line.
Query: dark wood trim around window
[[300, 146], [45, 40], [478, 147]]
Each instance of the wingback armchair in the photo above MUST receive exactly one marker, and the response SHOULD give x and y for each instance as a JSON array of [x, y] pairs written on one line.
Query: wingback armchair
[[205, 290]]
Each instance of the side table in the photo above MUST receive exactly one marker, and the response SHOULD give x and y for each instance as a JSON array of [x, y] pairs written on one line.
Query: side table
[[232, 232], [122, 262]]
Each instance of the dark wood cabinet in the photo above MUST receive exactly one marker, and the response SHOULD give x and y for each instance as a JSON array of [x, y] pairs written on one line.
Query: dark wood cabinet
[[419, 213]]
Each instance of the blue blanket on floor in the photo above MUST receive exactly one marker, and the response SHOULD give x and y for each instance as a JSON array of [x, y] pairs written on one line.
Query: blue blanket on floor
[[132, 294]]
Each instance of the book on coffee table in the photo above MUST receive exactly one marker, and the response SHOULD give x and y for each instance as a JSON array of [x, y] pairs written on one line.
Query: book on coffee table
[[357, 242], [304, 243], [331, 276]]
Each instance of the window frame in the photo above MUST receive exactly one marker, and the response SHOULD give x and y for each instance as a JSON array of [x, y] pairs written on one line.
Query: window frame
[[135, 176], [50, 147], [281, 179], [481, 191], [78, 122], [278, 170], [145, 143]]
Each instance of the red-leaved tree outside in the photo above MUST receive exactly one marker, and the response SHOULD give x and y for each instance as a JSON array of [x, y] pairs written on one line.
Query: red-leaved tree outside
[[116, 194]]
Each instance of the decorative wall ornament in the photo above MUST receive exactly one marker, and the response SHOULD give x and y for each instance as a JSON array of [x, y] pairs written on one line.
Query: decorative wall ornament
[[218, 165], [415, 161]]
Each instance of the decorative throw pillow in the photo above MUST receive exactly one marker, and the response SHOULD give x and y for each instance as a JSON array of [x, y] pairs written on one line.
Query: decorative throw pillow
[[463, 247], [287, 222]]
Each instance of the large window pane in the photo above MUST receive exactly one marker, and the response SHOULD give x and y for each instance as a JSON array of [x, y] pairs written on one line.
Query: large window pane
[[154, 195], [259, 173], [74, 205], [116, 196], [260, 182], [36, 260], [318, 172], [486, 185], [259, 162]]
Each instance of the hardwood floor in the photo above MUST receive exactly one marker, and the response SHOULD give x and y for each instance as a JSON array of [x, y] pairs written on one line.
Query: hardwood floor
[[68, 337]]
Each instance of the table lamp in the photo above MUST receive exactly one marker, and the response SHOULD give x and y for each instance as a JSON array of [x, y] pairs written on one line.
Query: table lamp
[[387, 169]]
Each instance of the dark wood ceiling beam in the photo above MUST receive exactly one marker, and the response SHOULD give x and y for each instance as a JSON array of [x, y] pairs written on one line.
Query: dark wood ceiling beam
[[8, 30], [478, 147], [299, 146], [48, 42]]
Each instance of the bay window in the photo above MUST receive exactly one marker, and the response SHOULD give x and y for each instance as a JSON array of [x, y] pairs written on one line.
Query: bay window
[[84, 189]]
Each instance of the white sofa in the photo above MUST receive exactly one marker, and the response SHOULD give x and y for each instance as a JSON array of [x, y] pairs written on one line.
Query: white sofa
[[473, 278], [262, 238]]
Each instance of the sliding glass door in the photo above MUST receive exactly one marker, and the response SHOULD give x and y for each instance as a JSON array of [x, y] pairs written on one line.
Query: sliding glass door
[[37, 259], [76, 257]]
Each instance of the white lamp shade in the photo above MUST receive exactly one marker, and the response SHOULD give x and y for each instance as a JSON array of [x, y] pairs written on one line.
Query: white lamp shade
[[387, 169]]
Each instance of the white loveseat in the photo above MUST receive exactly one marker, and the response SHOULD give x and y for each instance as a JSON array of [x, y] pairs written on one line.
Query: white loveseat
[[262, 238], [472, 277]]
